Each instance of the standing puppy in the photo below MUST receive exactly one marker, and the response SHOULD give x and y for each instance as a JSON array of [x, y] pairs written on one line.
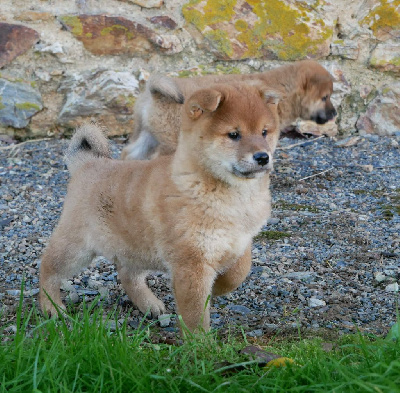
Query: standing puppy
[[193, 213], [305, 85]]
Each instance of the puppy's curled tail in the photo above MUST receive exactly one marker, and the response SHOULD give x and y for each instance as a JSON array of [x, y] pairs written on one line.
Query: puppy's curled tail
[[87, 143], [165, 86]]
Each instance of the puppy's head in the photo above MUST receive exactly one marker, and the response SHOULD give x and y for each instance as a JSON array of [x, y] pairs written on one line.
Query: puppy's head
[[317, 88], [232, 130]]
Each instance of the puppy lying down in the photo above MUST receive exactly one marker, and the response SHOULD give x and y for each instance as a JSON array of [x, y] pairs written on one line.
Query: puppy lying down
[[193, 213]]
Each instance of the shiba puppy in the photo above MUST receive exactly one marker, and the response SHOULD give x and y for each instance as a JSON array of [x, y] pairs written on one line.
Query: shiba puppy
[[305, 85], [193, 213]]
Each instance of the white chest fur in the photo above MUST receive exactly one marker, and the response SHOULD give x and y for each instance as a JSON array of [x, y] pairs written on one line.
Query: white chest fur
[[224, 220]]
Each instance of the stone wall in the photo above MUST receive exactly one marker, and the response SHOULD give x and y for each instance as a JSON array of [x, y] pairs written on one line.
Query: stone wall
[[65, 61]]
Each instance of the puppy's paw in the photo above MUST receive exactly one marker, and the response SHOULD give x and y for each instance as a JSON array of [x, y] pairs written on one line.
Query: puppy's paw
[[152, 307], [49, 310]]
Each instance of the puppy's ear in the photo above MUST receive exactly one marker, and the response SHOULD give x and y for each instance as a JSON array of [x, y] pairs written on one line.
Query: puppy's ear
[[317, 80], [271, 96], [206, 100]]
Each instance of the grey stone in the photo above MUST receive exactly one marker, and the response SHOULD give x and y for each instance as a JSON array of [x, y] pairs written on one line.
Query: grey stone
[[19, 101], [379, 276], [239, 309], [345, 49], [164, 320], [385, 57], [111, 325], [271, 326], [13, 292], [273, 221], [87, 292], [104, 292], [94, 284], [392, 287], [54, 49], [11, 329], [383, 113], [255, 333], [73, 297], [299, 275], [314, 302], [67, 286], [102, 92]]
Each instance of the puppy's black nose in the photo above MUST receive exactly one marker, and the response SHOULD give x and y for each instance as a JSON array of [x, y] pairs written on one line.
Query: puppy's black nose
[[261, 157]]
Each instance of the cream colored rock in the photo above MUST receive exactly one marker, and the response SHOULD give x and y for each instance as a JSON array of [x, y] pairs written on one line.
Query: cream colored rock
[[386, 57], [146, 3], [383, 113], [309, 127]]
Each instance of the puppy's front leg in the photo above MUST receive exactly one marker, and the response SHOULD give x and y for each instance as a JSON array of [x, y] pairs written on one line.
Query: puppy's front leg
[[234, 276], [192, 285]]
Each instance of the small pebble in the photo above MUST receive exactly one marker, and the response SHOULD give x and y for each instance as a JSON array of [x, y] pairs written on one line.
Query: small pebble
[[392, 287], [164, 320], [379, 276], [314, 302]]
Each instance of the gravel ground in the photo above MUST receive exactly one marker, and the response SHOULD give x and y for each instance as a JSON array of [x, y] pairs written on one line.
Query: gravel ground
[[328, 259]]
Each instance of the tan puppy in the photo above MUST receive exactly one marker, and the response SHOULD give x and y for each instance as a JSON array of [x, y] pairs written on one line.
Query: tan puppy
[[193, 213], [306, 85]]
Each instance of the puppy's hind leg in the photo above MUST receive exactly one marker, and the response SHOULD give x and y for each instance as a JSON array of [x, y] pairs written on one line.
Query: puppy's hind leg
[[135, 286], [60, 260]]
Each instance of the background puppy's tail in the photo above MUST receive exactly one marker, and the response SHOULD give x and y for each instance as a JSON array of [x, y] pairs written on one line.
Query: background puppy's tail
[[87, 143], [165, 86]]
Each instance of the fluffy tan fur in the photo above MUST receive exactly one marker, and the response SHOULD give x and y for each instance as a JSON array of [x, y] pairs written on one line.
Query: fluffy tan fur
[[305, 85], [193, 213]]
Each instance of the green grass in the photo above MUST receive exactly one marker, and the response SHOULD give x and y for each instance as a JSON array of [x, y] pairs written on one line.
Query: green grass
[[271, 235], [80, 354]]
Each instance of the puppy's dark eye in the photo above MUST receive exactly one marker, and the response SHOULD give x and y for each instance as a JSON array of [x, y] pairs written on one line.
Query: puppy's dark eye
[[264, 132], [325, 98], [235, 136]]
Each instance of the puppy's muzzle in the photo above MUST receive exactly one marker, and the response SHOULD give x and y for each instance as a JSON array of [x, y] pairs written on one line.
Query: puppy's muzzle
[[323, 117], [261, 158]]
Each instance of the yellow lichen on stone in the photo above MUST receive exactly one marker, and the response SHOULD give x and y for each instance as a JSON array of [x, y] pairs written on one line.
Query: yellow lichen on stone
[[384, 16], [226, 70], [241, 25], [221, 41], [395, 61], [2, 106], [74, 23], [275, 27], [125, 100], [26, 106], [130, 100], [206, 70], [278, 19], [215, 11], [108, 30]]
